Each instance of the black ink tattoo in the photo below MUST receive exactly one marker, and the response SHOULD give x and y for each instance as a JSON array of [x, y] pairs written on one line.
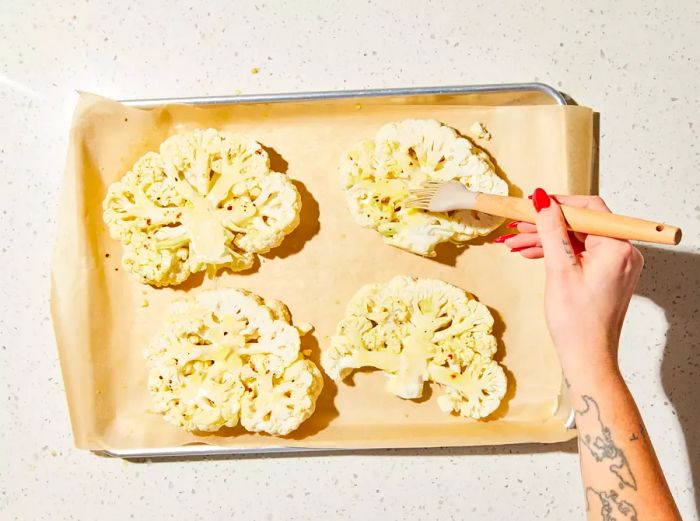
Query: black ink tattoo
[[569, 252], [642, 434], [601, 445], [612, 508]]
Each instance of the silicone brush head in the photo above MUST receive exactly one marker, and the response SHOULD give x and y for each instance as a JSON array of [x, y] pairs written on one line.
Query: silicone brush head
[[438, 196]]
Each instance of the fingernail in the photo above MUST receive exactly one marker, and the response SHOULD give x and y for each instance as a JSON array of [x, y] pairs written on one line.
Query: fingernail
[[514, 224], [504, 238], [519, 248], [540, 199]]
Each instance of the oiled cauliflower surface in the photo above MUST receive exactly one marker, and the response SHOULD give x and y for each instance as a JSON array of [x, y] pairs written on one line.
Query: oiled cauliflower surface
[[228, 356], [419, 330], [377, 174], [207, 200]]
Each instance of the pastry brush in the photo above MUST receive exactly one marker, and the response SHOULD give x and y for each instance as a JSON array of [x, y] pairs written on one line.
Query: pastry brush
[[437, 196]]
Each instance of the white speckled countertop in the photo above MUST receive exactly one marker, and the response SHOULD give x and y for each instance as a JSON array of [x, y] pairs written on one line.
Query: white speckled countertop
[[637, 62]]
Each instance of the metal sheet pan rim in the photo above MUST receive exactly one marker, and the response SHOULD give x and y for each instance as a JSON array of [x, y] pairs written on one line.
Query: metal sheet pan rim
[[359, 93], [211, 450], [203, 450]]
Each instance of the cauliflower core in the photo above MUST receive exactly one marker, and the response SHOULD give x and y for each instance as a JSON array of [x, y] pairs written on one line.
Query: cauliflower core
[[206, 201], [378, 174], [419, 330], [227, 356]]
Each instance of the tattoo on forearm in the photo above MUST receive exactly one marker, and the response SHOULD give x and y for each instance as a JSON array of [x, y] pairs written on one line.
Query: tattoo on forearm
[[611, 507], [642, 434], [600, 444]]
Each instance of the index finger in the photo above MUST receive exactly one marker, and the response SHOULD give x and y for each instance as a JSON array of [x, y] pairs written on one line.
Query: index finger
[[559, 257], [592, 202]]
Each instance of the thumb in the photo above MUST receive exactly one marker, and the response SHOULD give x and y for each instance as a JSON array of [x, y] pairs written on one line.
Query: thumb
[[559, 256]]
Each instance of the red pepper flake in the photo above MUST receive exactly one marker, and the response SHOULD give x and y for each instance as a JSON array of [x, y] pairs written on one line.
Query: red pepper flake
[[258, 151], [148, 222], [249, 389], [453, 375], [229, 207], [178, 215], [450, 356]]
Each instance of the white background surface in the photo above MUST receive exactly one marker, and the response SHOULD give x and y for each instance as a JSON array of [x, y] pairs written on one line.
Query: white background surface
[[634, 62]]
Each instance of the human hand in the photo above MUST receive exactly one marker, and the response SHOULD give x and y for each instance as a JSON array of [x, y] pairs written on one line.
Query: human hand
[[589, 280]]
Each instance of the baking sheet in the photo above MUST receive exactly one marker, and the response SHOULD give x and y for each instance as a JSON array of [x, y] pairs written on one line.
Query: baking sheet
[[102, 328], [500, 94]]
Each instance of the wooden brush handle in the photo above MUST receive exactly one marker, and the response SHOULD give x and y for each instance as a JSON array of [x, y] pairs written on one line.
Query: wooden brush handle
[[583, 220]]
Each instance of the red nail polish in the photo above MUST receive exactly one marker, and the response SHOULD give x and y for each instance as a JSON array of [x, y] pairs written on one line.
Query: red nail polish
[[519, 248], [514, 224], [504, 238], [540, 199]]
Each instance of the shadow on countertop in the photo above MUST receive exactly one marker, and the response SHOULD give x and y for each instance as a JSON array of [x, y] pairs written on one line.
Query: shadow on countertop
[[671, 279]]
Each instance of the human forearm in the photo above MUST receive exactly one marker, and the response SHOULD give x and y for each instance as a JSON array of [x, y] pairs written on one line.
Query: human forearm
[[621, 475], [590, 282]]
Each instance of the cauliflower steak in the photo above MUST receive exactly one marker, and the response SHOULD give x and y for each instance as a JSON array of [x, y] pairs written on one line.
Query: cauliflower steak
[[228, 356], [418, 330], [377, 174], [207, 200]]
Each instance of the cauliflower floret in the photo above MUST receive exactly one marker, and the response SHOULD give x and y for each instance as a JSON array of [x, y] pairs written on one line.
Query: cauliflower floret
[[377, 175], [280, 404], [479, 130], [476, 392], [206, 201], [146, 261], [222, 349], [349, 350], [418, 330]]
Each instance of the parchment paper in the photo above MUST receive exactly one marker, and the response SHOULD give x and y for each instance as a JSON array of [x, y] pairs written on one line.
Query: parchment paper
[[102, 328]]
